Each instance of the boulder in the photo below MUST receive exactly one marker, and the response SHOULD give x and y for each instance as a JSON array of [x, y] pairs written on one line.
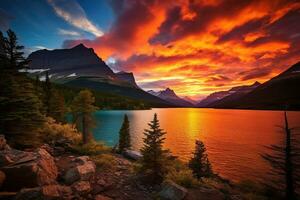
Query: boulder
[[81, 160], [83, 170], [71, 176], [172, 191], [81, 187], [32, 169], [47, 173], [134, 155]]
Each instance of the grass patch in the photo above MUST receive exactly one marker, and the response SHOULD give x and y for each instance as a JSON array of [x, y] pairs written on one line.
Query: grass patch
[[91, 148], [104, 160]]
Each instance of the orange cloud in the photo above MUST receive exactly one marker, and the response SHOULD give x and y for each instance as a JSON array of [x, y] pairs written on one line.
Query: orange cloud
[[198, 47]]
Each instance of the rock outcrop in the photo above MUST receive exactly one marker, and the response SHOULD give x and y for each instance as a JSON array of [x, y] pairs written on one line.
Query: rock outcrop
[[83, 170], [133, 155], [26, 169], [172, 191]]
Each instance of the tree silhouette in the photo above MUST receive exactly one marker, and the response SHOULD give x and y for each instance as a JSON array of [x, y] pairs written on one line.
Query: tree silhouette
[[82, 109], [47, 93], [20, 108], [199, 163], [285, 163], [153, 154], [124, 135]]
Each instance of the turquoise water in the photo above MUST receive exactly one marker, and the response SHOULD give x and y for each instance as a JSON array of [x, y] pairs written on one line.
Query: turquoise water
[[234, 138]]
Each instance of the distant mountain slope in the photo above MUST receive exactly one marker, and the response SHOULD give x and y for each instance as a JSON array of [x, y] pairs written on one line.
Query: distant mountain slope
[[216, 96], [96, 84], [280, 92], [188, 99], [225, 96], [239, 92], [77, 61], [170, 96]]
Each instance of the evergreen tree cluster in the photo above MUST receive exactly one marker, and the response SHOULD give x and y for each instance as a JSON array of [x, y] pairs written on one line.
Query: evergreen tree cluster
[[20, 108], [25, 103]]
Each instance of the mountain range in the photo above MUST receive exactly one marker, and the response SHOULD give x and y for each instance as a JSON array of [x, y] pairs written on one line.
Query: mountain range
[[81, 67], [280, 93], [170, 96], [223, 96]]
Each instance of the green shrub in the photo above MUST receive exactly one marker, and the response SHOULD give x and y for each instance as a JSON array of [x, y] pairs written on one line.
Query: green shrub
[[179, 173], [183, 177], [91, 148], [52, 132], [104, 160]]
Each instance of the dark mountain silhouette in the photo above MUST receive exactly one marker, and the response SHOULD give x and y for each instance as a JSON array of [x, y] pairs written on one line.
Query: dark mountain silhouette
[[127, 77], [188, 99], [235, 94], [80, 67], [170, 96], [280, 92], [224, 96], [79, 61], [97, 84], [216, 96]]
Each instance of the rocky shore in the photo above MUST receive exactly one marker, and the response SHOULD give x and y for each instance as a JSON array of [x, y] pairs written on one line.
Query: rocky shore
[[55, 173]]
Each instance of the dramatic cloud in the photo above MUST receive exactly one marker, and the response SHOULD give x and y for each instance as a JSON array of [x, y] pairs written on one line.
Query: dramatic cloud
[[200, 46], [72, 12], [68, 32]]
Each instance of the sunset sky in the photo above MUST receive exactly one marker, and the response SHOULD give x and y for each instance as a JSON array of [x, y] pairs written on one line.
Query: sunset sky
[[195, 47]]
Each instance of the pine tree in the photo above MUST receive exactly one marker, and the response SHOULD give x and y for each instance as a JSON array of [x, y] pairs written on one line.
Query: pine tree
[[285, 162], [47, 93], [82, 109], [153, 154], [199, 163], [20, 116], [124, 135]]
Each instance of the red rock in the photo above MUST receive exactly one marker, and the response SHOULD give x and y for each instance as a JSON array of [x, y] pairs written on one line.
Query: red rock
[[31, 170], [84, 170], [81, 187]]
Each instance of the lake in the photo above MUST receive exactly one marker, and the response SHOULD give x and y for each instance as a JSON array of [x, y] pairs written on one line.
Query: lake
[[234, 138]]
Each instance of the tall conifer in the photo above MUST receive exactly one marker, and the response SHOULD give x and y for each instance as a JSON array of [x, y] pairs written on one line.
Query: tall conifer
[[199, 163], [124, 135], [153, 154]]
